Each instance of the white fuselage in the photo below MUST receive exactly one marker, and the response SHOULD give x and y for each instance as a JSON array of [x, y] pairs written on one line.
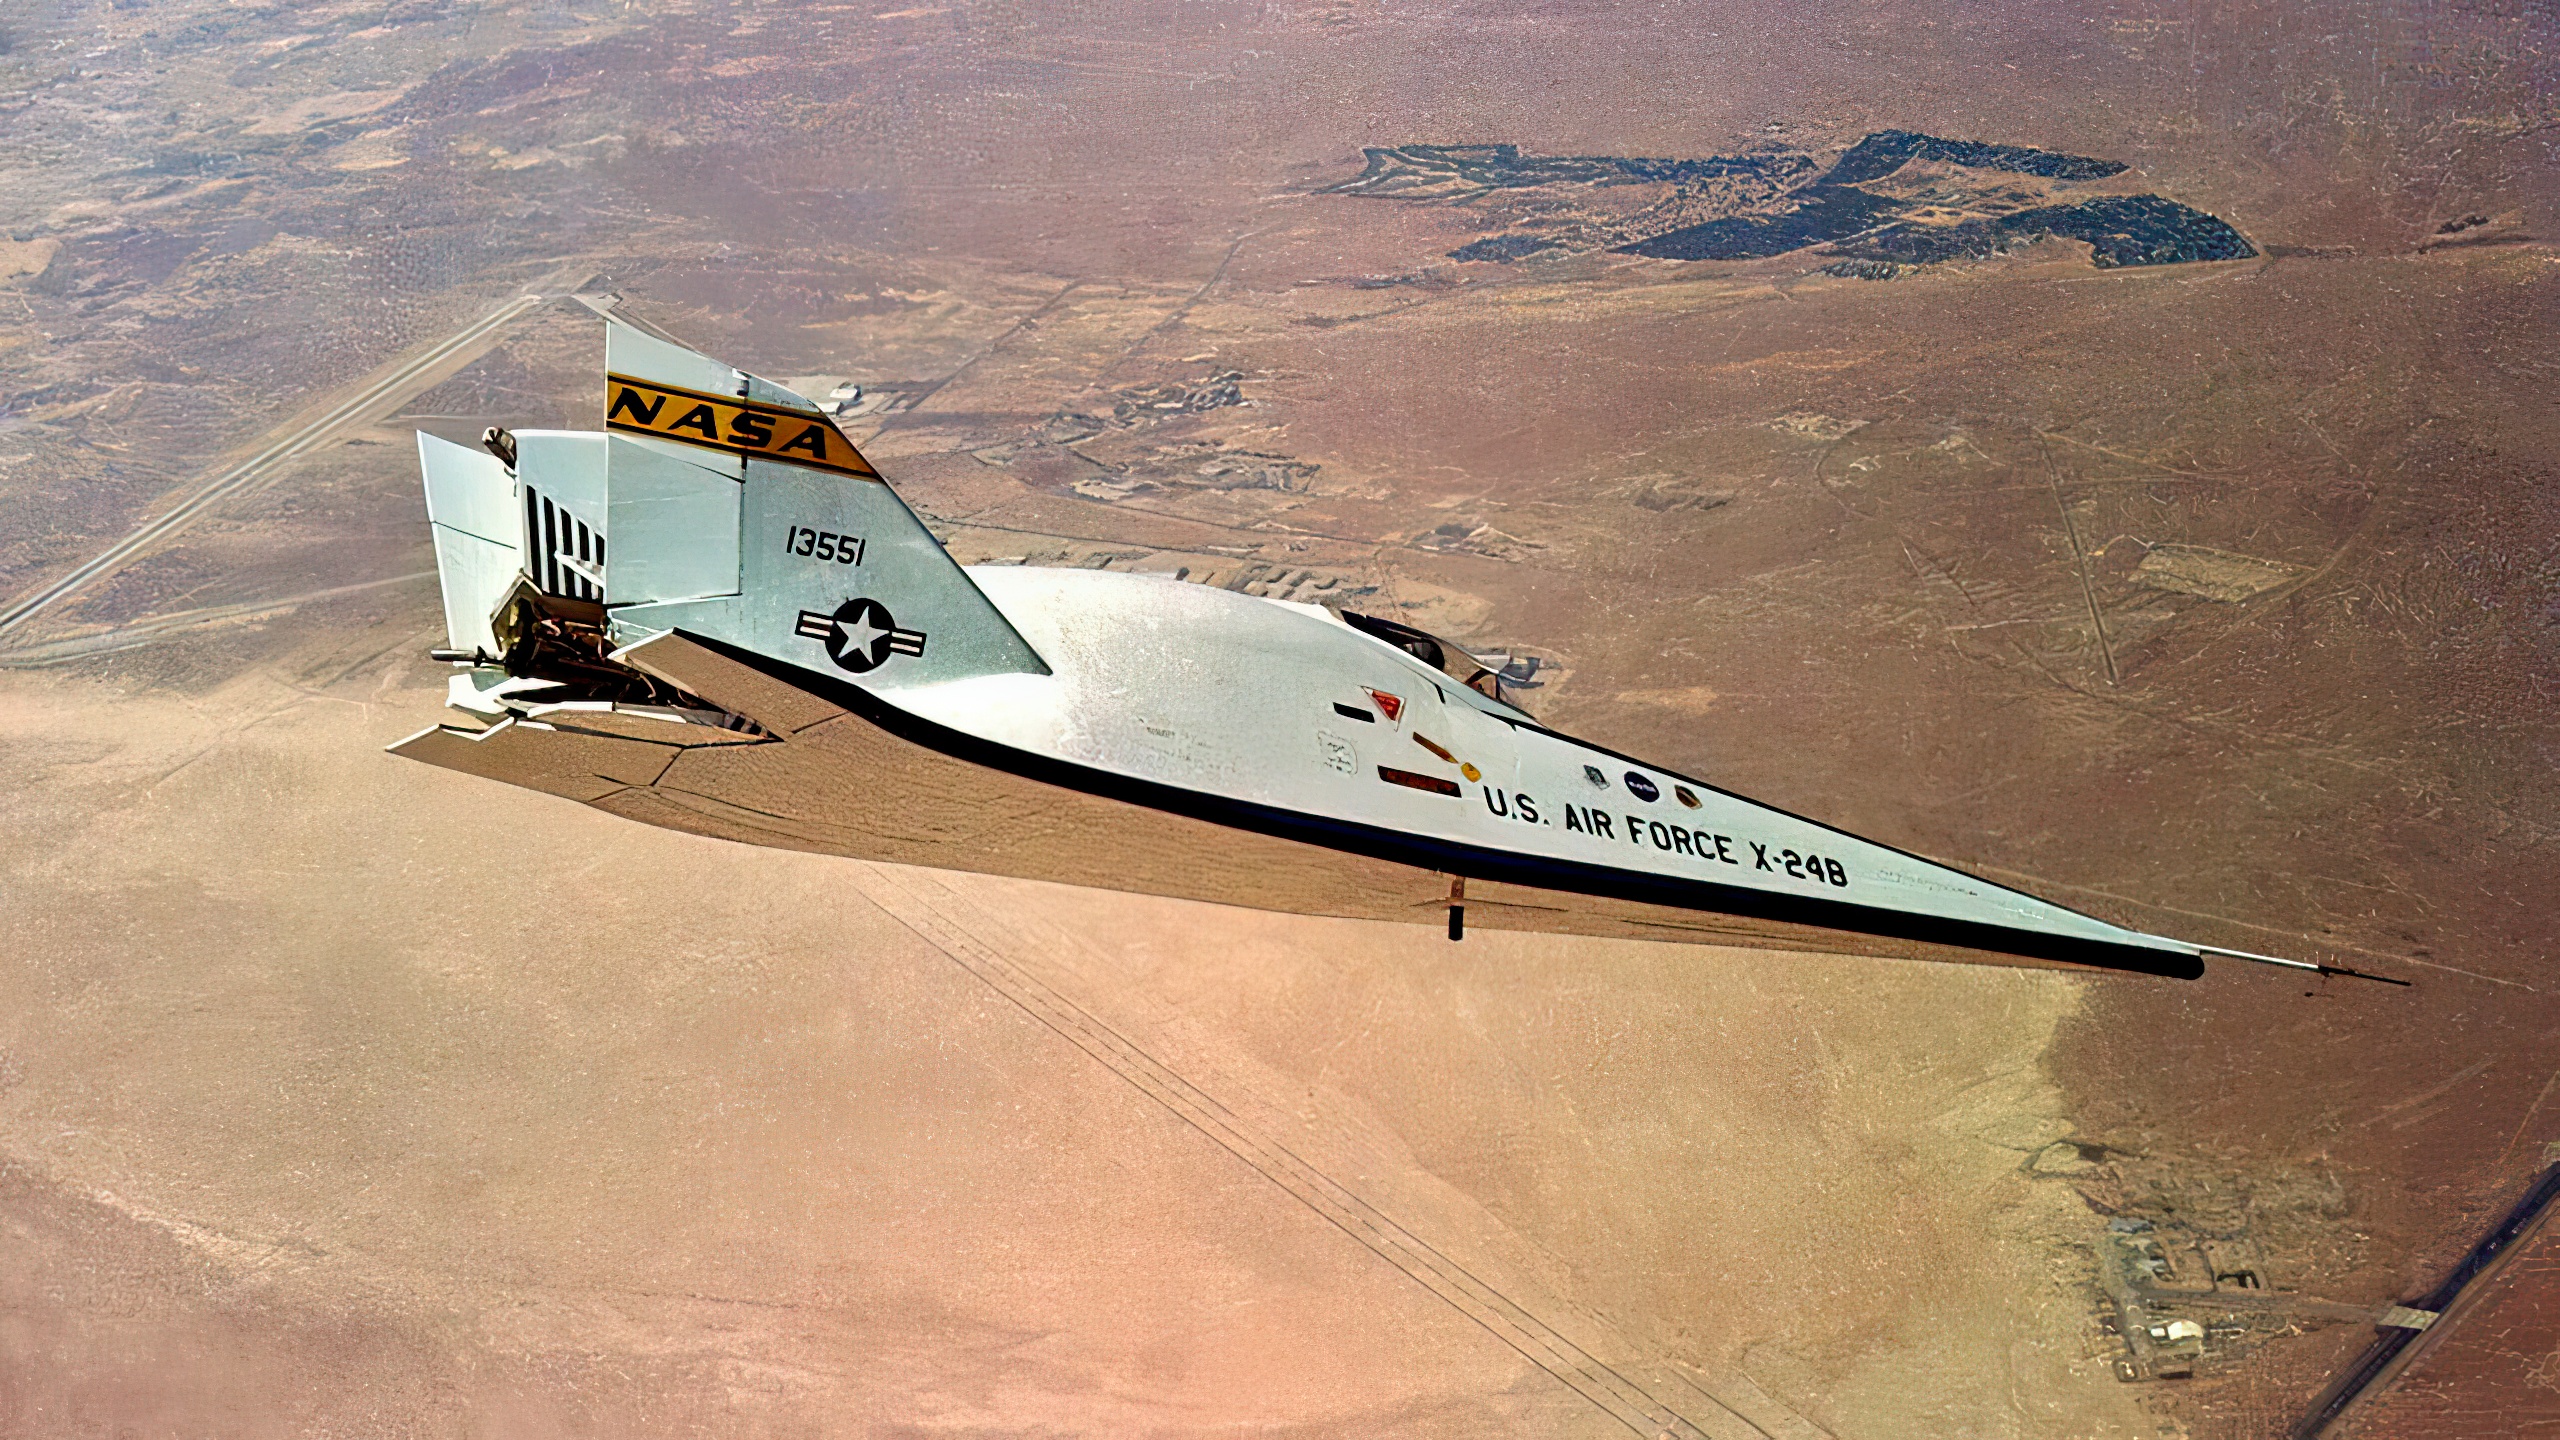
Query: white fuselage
[[1262, 702]]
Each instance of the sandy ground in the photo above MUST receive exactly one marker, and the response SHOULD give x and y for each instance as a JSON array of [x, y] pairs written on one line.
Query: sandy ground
[[343, 1095]]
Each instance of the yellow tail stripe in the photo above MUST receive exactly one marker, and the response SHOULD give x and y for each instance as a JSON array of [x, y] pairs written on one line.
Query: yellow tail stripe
[[725, 422]]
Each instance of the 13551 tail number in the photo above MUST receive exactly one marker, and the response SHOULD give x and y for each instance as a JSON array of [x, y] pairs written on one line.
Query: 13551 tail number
[[824, 544]]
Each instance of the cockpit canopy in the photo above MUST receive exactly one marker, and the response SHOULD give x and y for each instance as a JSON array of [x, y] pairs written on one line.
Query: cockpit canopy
[[1447, 657]]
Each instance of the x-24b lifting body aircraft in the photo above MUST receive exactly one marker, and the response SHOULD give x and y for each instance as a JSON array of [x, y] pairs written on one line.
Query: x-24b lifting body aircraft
[[773, 649]]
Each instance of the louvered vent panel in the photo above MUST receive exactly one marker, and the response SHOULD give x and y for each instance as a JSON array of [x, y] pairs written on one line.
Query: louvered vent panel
[[550, 533]]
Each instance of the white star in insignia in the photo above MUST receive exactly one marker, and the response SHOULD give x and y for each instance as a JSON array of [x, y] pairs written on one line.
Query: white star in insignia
[[859, 632]]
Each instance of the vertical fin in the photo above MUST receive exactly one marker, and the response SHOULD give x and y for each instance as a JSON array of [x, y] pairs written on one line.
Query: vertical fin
[[833, 573], [471, 513]]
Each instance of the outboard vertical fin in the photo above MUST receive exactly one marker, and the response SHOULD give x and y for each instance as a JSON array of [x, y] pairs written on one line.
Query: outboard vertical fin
[[471, 512]]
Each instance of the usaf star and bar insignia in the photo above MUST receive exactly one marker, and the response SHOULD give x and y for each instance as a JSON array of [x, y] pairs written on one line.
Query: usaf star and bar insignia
[[729, 423], [861, 635]]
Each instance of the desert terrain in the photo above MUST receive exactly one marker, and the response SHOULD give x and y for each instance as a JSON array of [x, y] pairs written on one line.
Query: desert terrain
[[2104, 446]]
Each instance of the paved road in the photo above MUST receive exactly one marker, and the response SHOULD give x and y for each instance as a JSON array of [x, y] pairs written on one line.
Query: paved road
[[374, 400], [2395, 1349]]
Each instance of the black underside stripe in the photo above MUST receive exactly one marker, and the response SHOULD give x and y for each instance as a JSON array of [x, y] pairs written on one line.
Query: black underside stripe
[[1474, 861]]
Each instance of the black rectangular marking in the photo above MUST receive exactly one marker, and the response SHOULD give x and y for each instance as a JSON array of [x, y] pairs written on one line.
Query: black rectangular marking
[[1354, 712]]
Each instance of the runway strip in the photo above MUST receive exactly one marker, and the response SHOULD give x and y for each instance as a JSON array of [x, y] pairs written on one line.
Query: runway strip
[[385, 393], [946, 921], [2395, 1348]]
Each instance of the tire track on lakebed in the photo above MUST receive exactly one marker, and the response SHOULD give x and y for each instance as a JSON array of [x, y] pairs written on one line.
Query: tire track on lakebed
[[1583, 1351]]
